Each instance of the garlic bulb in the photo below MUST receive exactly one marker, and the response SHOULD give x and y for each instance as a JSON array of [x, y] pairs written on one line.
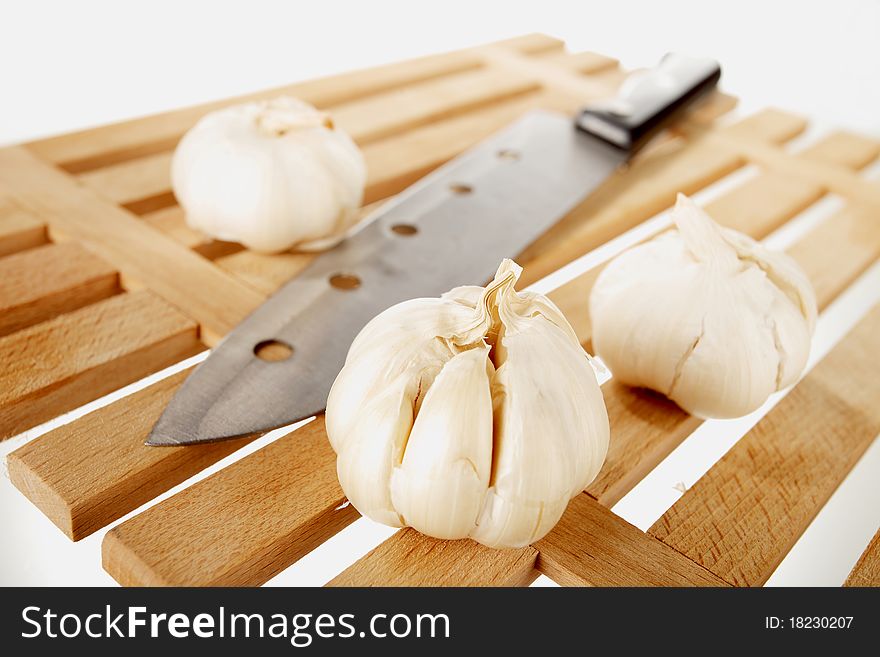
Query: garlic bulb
[[476, 414], [704, 315], [270, 175]]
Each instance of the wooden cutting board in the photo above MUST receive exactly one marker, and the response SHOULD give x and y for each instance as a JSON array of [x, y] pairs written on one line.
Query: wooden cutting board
[[102, 283]]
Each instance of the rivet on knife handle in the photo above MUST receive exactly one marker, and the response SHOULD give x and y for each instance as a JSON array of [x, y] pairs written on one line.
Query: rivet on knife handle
[[650, 100]]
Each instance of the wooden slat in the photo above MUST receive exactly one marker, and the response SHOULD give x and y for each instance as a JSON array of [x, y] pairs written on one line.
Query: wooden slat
[[855, 231], [213, 298], [89, 149], [835, 178], [844, 149], [769, 125], [240, 526], [408, 559], [40, 283], [586, 63], [65, 362], [591, 546], [86, 474], [143, 185], [265, 273], [646, 428], [18, 229], [742, 517], [171, 222], [867, 571], [385, 115]]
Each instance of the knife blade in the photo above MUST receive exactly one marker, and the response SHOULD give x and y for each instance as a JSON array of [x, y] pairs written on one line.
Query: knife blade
[[451, 228]]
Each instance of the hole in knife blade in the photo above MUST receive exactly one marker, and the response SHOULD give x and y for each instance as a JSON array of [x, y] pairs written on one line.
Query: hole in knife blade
[[345, 281], [406, 230], [461, 188], [273, 351], [508, 154]]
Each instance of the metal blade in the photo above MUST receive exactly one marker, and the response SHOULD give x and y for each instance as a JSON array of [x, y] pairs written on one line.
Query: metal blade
[[486, 205]]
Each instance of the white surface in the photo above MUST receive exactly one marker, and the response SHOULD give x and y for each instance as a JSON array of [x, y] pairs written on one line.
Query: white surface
[[70, 65], [73, 64]]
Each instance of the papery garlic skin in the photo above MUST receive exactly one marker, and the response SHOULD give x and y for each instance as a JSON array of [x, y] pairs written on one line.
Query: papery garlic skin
[[704, 315], [270, 175], [477, 414]]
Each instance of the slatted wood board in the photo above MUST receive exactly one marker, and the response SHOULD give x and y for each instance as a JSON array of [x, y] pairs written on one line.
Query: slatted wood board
[[102, 283]]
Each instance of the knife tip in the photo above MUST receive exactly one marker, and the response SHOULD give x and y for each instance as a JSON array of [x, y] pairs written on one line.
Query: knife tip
[[160, 441]]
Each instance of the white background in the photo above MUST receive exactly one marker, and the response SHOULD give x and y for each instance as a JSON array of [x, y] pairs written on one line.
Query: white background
[[66, 65]]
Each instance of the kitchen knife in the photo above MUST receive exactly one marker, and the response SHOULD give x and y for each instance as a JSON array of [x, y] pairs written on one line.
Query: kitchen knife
[[451, 228]]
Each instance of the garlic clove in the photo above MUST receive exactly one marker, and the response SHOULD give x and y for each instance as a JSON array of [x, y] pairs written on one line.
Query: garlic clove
[[740, 371], [781, 271], [647, 315], [544, 453], [439, 487], [374, 445]]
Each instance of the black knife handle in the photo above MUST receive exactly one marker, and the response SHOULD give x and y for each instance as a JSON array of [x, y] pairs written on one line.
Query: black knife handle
[[650, 100]]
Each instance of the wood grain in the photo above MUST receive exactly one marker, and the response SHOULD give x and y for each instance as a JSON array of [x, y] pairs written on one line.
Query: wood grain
[[96, 147], [40, 283], [867, 571], [143, 185], [172, 271], [768, 125], [171, 221], [585, 63], [62, 363], [838, 179], [86, 474], [242, 525], [591, 546], [412, 559], [19, 230], [742, 517], [844, 149], [854, 231]]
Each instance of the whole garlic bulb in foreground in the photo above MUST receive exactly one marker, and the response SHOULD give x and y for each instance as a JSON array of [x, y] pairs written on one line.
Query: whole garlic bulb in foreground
[[270, 175], [476, 414], [704, 315]]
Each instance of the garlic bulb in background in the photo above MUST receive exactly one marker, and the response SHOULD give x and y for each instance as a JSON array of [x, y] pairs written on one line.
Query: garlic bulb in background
[[476, 414], [270, 175], [704, 315]]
